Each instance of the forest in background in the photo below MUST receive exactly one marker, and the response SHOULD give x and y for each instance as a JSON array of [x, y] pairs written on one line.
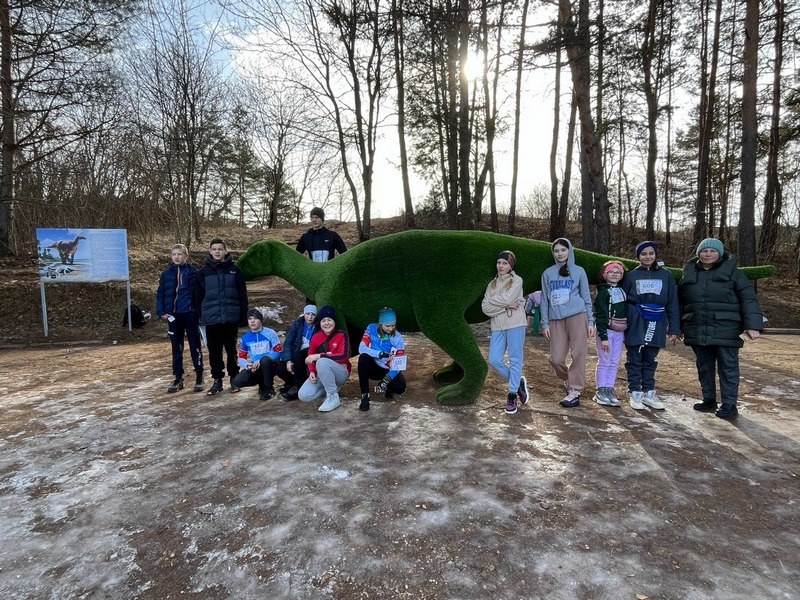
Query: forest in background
[[171, 116]]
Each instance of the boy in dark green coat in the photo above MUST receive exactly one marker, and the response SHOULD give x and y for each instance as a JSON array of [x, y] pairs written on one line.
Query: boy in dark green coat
[[719, 308]]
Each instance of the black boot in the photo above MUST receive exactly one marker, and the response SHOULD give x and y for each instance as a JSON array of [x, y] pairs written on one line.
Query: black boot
[[706, 406], [198, 384], [364, 402], [727, 411], [176, 385], [215, 388]]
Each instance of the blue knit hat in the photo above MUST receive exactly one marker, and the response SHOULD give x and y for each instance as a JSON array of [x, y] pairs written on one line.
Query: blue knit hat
[[646, 244], [712, 243], [386, 316], [326, 311]]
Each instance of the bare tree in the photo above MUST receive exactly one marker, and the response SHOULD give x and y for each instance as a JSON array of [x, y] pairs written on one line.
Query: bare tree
[[180, 104], [53, 63]]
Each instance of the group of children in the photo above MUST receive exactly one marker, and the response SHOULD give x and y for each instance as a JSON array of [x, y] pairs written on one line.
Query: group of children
[[313, 361], [640, 311]]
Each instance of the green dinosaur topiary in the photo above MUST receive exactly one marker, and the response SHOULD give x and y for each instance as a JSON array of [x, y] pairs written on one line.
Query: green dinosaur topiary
[[434, 280]]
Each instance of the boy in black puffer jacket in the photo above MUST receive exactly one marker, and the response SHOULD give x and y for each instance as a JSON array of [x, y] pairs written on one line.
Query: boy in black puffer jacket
[[222, 298]]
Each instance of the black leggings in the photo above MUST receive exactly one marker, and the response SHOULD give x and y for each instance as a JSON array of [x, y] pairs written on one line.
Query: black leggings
[[367, 369]]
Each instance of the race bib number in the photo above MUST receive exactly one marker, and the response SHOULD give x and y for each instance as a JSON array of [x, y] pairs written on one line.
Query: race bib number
[[616, 295], [398, 363], [259, 348], [319, 255], [648, 286], [559, 297]]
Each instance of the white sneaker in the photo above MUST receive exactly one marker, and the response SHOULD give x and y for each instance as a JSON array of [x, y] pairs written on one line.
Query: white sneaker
[[612, 397], [601, 397], [332, 402], [636, 400], [650, 399]]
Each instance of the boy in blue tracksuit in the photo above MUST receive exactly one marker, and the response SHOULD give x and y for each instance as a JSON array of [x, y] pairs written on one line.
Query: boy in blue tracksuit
[[653, 315], [380, 343], [175, 304], [261, 351]]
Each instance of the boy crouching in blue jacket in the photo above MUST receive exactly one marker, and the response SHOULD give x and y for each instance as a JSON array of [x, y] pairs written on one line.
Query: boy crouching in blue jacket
[[262, 350]]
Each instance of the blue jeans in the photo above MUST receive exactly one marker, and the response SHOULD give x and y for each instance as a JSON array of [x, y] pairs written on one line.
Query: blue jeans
[[507, 340], [724, 360], [640, 367]]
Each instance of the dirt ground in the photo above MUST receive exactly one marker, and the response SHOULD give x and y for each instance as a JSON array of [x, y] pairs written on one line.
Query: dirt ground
[[113, 489]]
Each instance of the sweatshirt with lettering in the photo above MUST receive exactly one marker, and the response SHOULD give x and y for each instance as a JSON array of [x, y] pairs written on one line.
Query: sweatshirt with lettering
[[565, 295]]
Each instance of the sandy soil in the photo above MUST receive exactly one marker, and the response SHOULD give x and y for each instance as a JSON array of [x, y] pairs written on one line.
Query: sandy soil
[[111, 488]]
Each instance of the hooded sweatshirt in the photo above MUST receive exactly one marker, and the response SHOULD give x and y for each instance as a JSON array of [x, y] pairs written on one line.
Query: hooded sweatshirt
[[563, 297], [502, 291]]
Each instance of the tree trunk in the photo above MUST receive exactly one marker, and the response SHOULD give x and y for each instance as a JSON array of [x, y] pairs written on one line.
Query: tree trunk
[[746, 250], [651, 96], [578, 44], [467, 220], [399, 64], [555, 229], [773, 198], [9, 138], [708, 101], [517, 112]]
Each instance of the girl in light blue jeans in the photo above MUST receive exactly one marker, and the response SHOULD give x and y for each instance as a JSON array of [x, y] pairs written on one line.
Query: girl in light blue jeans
[[504, 303]]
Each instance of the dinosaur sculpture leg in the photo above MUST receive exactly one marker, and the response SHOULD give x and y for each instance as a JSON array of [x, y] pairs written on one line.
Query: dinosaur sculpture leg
[[449, 374], [453, 335]]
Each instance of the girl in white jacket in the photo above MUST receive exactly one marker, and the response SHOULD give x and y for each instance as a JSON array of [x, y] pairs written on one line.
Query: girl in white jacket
[[504, 303]]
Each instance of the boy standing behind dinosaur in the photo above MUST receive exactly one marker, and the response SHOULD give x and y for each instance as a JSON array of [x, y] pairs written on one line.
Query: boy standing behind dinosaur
[[175, 304], [222, 299], [320, 242]]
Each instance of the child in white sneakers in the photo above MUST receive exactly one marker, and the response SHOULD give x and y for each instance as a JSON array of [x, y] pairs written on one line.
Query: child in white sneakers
[[653, 317], [609, 317], [567, 319], [504, 304]]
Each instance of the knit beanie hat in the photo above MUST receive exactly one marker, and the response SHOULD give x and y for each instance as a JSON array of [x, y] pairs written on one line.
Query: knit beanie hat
[[326, 311], [387, 316], [508, 256], [646, 244], [712, 243], [310, 308], [254, 312], [317, 212]]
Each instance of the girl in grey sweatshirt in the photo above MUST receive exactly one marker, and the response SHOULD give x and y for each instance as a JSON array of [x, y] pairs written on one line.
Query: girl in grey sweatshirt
[[567, 319]]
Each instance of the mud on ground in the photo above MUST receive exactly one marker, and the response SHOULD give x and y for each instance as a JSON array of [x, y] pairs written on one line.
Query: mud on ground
[[110, 488]]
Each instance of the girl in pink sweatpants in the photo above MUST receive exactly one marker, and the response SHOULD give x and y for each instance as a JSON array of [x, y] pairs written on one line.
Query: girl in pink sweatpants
[[609, 318]]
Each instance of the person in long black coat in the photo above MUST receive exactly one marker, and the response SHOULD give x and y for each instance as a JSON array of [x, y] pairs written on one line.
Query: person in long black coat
[[719, 309]]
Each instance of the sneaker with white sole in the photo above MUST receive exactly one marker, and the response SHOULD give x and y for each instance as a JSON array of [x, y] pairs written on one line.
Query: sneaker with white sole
[[522, 392], [650, 399], [636, 400], [571, 400], [601, 397], [511, 404], [612, 397], [332, 402]]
